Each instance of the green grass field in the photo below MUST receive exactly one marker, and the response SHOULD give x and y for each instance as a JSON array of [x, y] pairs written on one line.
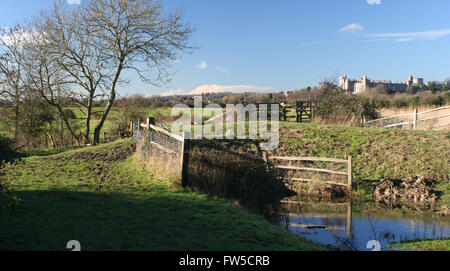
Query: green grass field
[[103, 198], [427, 245]]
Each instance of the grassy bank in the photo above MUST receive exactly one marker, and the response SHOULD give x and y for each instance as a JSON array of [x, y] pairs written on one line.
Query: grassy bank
[[428, 245], [377, 153], [103, 198]]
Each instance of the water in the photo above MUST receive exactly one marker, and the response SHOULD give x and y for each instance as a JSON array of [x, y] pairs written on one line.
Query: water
[[354, 232]]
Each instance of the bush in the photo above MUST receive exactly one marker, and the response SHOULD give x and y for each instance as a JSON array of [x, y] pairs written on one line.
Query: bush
[[7, 198], [341, 107], [436, 101], [446, 97], [6, 149], [414, 101]]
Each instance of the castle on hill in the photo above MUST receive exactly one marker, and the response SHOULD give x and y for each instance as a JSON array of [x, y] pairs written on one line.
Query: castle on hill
[[361, 85]]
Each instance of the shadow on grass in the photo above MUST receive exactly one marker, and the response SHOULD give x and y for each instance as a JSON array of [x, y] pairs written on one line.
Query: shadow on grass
[[47, 220]]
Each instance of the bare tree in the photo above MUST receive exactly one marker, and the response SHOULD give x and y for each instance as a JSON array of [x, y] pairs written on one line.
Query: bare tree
[[135, 35], [11, 69], [45, 77], [97, 41], [72, 43]]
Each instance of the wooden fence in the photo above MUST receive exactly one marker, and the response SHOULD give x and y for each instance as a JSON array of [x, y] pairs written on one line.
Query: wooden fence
[[348, 173], [435, 119]]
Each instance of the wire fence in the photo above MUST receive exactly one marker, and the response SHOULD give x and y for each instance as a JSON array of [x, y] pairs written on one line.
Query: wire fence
[[435, 119], [160, 149]]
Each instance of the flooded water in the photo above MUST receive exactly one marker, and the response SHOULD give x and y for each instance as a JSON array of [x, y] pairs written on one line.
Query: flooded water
[[348, 230]]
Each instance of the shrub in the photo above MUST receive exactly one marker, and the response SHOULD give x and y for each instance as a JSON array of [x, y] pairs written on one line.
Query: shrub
[[436, 101], [414, 101], [340, 107], [400, 103], [7, 198], [6, 149], [446, 97]]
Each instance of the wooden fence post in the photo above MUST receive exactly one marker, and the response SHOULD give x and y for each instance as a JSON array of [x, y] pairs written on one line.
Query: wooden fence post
[[350, 173], [185, 159], [349, 216], [415, 119]]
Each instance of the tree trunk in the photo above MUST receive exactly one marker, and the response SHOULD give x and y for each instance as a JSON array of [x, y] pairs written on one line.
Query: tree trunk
[[88, 127], [16, 121], [99, 126], [66, 121], [88, 118], [61, 134], [112, 99]]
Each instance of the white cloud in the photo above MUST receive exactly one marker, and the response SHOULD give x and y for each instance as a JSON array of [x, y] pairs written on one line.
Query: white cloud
[[222, 70], [202, 65], [374, 2], [409, 36], [74, 2], [173, 92], [352, 28], [403, 40], [216, 89], [227, 88]]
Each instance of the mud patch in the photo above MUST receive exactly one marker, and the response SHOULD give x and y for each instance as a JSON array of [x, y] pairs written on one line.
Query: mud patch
[[115, 154]]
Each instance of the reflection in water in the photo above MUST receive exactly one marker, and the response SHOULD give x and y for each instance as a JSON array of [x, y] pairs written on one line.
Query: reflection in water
[[353, 232]]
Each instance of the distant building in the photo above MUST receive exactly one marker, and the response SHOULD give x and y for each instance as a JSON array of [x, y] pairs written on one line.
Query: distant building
[[361, 85], [326, 84]]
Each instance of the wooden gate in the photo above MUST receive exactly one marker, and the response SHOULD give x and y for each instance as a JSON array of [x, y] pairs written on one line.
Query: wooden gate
[[304, 111]]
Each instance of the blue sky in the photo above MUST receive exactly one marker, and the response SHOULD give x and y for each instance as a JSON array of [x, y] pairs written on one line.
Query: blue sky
[[268, 45]]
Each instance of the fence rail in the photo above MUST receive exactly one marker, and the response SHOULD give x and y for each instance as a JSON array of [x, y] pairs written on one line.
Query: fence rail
[[434, 119], [348, 173]]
